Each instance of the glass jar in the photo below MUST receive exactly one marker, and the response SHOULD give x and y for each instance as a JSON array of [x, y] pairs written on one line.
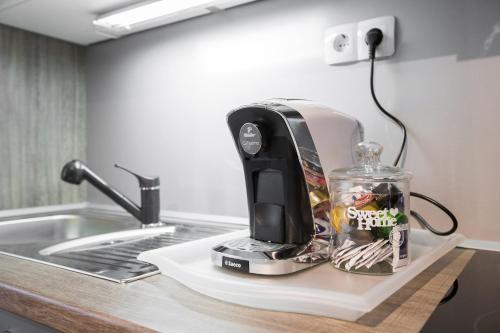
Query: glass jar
[[370, 214]]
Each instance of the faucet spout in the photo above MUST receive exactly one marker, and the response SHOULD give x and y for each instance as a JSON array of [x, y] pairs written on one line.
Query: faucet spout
[[76, 171]]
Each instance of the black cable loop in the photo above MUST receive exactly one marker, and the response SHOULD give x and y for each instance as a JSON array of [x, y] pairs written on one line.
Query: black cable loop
[[416, 215], [426, 224]]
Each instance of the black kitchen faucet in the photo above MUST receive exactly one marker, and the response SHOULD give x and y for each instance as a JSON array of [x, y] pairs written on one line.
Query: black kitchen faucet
[[76, 171]]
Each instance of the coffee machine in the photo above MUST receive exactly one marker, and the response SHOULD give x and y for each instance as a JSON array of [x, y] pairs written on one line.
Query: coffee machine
[[287, 147]]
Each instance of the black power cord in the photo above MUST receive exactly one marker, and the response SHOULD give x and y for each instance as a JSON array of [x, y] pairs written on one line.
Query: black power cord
[[373, 39], [426, 224], [384, 111]]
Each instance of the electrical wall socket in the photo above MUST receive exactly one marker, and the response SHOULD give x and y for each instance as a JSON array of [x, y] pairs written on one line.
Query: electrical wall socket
[[346, 43], [387, 47], [341, 44]]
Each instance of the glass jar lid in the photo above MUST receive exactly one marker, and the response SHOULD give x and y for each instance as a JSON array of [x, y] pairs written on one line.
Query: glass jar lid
[[370, 168]]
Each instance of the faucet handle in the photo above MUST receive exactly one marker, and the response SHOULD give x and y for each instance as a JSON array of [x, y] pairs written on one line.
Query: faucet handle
[[149, 183]]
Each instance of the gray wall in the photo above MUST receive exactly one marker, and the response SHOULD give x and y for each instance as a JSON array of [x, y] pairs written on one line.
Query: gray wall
[[157, 100], [42, 118]]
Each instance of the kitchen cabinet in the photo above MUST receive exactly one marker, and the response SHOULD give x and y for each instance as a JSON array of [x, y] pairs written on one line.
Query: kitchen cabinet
[[11, 323]]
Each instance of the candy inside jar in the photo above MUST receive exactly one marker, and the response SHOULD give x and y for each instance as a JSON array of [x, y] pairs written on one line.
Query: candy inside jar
[[369, 216]]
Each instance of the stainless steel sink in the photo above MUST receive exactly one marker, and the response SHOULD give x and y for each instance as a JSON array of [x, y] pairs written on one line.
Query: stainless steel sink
[[100, 245]]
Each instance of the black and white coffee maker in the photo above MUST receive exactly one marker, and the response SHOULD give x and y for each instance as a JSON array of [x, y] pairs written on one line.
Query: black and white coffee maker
[[287, 148]]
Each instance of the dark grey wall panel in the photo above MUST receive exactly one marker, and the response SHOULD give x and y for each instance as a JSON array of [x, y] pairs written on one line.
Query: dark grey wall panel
[[42, 118]]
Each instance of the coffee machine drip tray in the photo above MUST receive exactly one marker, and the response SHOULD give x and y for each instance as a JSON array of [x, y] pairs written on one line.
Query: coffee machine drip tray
[[249, 255]]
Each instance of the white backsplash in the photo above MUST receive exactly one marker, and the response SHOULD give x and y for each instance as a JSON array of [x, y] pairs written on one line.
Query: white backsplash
[[158, 100]]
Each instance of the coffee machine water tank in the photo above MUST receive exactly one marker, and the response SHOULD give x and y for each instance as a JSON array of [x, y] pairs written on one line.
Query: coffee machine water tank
[[287, 148]]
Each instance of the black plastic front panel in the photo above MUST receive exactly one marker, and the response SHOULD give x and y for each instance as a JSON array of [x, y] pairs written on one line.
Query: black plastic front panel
[[278, 201]]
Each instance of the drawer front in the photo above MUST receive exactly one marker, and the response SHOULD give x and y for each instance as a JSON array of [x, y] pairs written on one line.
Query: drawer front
[[11, 323]]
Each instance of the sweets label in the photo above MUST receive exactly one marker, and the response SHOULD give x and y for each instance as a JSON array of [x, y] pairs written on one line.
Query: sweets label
[[368, 219], [397, 237]]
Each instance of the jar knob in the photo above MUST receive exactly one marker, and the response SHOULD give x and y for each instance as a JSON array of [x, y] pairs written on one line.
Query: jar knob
[[369, 153]]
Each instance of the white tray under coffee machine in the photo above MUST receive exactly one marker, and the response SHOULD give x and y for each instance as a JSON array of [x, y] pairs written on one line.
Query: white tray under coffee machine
[[286, 147], [321, 290]]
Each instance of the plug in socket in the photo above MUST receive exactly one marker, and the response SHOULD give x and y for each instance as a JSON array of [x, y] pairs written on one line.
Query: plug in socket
[[388, 45]]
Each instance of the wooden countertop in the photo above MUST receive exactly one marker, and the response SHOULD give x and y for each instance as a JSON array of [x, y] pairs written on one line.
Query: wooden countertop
[[69, 301]]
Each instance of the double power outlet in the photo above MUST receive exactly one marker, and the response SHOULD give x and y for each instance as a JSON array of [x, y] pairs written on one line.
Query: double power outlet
[[346, 43]]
